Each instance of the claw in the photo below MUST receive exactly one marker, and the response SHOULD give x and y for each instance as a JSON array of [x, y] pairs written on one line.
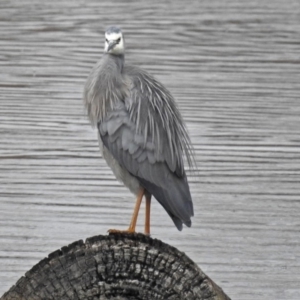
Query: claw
[[112, 231]]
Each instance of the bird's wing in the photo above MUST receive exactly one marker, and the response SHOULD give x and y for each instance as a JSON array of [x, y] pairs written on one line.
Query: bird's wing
[[153, 109], [145, 134]]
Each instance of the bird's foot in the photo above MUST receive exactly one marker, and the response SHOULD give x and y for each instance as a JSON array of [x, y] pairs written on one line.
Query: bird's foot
[[129, 230]]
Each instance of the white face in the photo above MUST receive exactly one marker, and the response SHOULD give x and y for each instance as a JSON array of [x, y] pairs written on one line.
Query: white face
[[114, 43]]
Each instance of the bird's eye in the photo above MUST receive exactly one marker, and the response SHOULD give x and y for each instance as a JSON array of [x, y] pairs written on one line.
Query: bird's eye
[[106, 40], [118, 40]]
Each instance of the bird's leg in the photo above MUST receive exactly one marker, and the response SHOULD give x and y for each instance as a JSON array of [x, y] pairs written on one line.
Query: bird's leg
[[131, 228], [136, 210], [147, 216]]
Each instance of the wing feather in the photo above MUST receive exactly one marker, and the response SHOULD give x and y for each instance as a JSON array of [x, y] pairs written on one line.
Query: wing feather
[[146, 136]]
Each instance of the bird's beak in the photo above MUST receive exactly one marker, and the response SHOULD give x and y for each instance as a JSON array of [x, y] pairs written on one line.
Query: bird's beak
[[111, 45]]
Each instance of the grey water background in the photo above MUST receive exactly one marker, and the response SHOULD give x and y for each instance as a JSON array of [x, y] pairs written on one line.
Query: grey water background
[[233, 67]]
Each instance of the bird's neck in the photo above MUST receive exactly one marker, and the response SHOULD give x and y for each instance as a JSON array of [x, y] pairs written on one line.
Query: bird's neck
[[105, 87], [118, 59]]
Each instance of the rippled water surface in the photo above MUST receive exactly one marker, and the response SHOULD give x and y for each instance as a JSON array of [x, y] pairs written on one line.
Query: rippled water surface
[[233, 67]]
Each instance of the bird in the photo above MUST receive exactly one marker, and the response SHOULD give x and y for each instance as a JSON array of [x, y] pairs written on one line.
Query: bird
[[141, 133]]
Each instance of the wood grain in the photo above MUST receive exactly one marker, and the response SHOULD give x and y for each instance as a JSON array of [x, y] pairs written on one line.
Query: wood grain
[[118, 266]]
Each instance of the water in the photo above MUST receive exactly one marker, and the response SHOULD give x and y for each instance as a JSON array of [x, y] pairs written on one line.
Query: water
[[233, 68]]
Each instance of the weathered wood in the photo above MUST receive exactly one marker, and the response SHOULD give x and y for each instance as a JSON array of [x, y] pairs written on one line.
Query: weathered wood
[[117, 266]]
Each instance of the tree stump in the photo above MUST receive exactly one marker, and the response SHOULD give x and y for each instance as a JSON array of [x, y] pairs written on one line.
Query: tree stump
[[115, 266]]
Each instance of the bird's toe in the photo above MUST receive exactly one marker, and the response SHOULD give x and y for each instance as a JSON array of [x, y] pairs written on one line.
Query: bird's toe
[[112, 231]]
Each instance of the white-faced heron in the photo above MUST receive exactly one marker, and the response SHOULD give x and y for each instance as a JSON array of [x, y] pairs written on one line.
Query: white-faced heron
[[141, 133]]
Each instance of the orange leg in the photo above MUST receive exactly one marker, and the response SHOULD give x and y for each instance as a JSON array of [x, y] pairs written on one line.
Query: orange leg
[[131, 228], [147, 216], [136, 210]]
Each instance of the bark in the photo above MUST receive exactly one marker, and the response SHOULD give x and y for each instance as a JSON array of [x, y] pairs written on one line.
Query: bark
[[117, 266]]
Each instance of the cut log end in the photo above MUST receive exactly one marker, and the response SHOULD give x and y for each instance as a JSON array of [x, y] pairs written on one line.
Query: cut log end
[[116, 266]]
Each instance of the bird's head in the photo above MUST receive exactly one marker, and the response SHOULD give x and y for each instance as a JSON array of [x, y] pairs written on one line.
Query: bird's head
[[114, 41]]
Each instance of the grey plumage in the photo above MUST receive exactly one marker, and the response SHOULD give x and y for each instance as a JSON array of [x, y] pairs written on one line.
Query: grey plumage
[[141, 132]]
